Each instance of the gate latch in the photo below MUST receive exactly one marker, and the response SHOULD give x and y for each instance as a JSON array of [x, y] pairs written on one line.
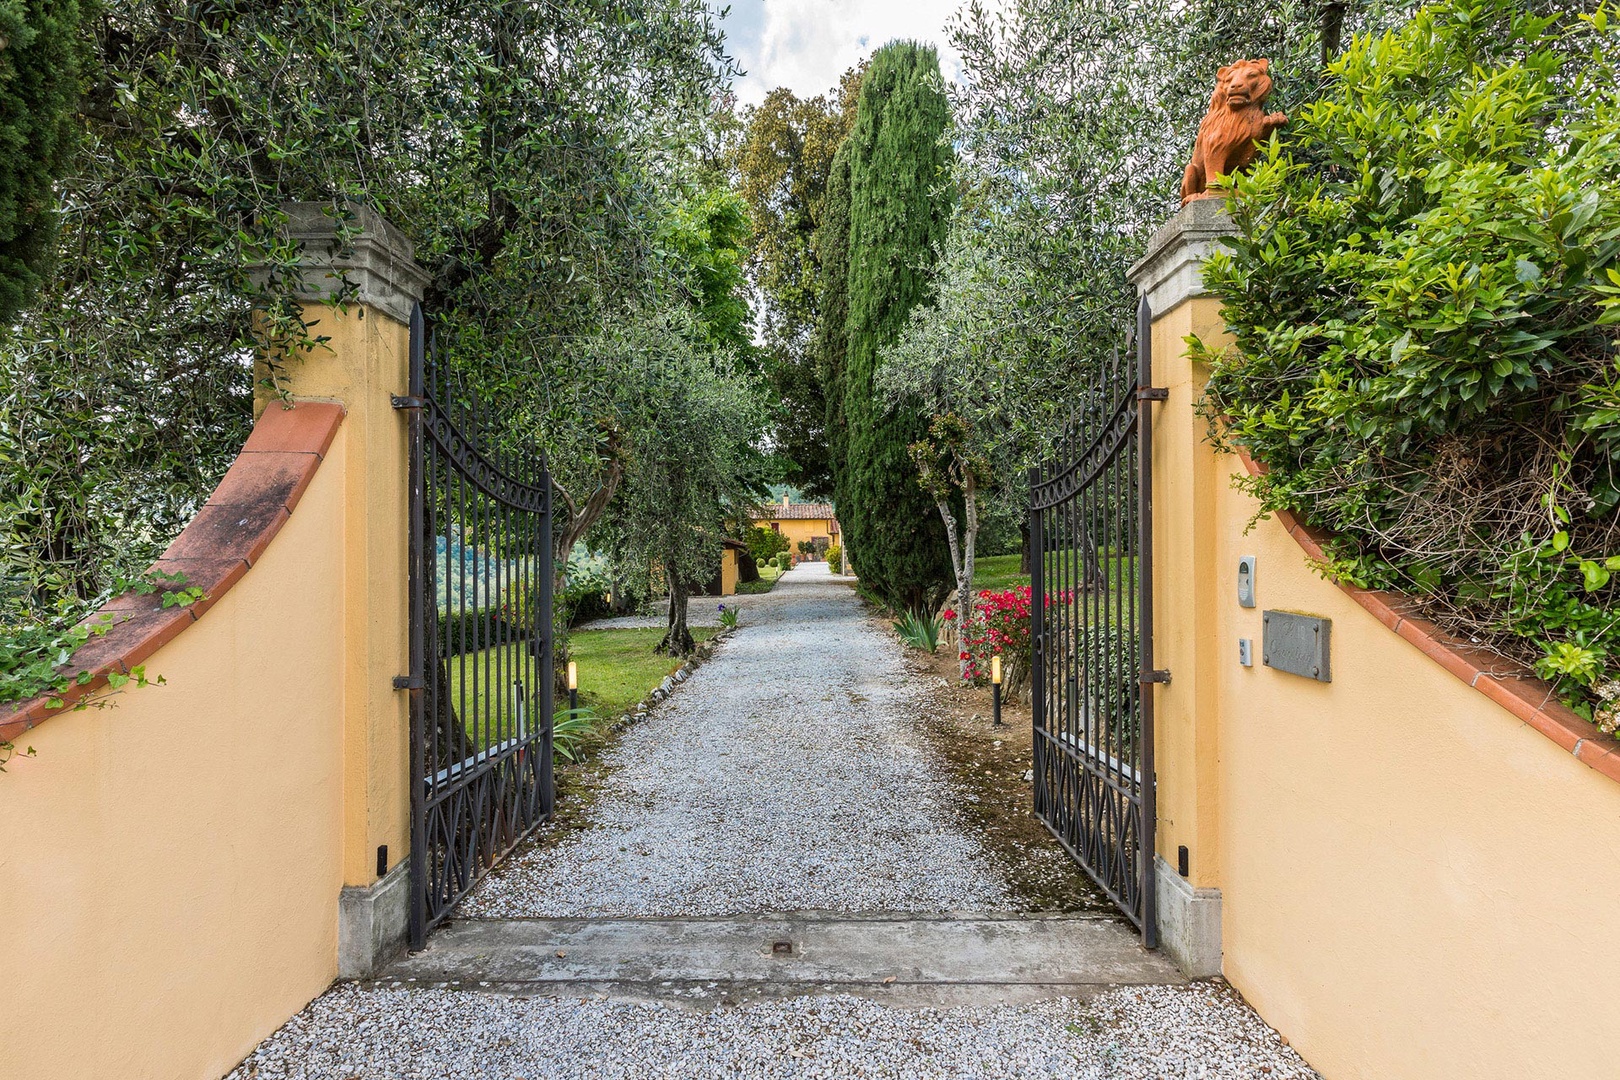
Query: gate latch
[[405, 401], [409, 682], [1158, 675]]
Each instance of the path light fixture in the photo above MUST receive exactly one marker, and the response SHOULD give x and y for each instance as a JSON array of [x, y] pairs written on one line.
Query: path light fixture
[[573, 686], [995, 690]]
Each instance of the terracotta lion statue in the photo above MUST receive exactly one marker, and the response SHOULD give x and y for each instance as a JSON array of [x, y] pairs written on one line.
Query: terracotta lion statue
[[1236, 121]]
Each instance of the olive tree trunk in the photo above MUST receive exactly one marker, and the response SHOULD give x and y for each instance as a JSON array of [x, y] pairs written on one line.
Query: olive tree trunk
[[677, 637]]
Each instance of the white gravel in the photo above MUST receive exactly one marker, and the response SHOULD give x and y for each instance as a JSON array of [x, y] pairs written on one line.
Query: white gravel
[[1197, 1032], [784, 776]]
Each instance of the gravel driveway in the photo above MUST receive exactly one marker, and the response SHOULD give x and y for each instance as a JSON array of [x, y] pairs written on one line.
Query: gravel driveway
[[1197, 1032], [785, 777]]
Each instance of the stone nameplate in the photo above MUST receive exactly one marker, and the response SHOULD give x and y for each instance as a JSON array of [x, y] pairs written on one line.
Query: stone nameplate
[[1298, 644]]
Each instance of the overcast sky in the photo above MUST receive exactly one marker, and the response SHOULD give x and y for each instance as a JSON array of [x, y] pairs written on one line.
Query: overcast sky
[[806, 45]]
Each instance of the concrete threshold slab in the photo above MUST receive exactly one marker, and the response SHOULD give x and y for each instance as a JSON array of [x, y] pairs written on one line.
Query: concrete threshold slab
[[904, 959]]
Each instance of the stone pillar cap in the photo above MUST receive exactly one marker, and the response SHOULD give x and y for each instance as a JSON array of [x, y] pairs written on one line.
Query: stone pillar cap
[[376, 260], [1171, 271]]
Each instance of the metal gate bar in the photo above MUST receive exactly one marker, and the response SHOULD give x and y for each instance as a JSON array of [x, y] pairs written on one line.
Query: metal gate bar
[[480, 640], [1091, 548]]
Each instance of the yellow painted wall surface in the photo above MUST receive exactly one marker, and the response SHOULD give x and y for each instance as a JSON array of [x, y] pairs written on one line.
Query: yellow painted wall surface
[[798, 530], [1184, 491], [365, 362], [1415, 885], [171, 866], [728, 572]]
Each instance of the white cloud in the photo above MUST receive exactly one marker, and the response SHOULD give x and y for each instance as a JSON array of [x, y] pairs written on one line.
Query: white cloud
[[806, 45]]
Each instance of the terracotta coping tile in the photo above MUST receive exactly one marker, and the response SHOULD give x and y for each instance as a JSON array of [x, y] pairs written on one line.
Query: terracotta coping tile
[[219, 533], [233, 529], [307, 428], [280, 477], [1510, 685]]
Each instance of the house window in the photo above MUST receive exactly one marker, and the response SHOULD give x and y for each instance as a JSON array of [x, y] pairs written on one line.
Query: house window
[[776, 526]]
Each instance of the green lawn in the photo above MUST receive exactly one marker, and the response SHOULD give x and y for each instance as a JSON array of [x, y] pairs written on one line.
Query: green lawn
[[997, 572], [767, 578], [1000, 572], [617, 668]]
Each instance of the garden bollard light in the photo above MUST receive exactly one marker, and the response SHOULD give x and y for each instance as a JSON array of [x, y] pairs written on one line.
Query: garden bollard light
[[573, 686], [995, 691]]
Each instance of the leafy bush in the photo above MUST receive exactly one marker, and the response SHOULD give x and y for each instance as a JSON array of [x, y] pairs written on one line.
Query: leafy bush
[[1000, 624], [728, 617], [584, 596], [39, 89], [763, 544], [473, 631], [570, 728], [1417, 289], [783, 560], [835, 558], [918, 630]]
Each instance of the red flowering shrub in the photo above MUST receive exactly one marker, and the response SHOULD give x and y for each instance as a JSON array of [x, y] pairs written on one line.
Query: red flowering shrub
[[1000, 624]]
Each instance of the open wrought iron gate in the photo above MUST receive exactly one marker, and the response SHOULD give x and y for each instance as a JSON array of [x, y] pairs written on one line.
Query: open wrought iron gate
[[481, 640], [1091, 547]]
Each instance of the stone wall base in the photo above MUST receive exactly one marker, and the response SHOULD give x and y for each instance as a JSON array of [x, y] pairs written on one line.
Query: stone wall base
[[372, 923], [1189, 923]]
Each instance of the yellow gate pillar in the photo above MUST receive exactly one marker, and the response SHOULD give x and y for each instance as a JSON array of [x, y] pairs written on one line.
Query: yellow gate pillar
[[1185, 478], [361, 284]]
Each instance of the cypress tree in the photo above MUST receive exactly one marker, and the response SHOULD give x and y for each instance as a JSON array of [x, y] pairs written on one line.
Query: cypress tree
[[832, 338], [40, 53], [899, 210]]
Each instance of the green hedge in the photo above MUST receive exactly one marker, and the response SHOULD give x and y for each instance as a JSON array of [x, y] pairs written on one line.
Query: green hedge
[[1423, 269]]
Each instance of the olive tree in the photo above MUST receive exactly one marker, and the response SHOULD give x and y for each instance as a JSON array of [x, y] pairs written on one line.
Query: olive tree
[[695, 468], [529, 150]]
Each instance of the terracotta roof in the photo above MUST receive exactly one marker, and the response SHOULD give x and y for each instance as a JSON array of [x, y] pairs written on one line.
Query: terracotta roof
[[794, 512], [229, 534]]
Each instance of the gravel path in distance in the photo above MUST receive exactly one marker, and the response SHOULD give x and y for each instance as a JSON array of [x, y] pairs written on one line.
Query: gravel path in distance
[[784, 776], [1201, 1031]]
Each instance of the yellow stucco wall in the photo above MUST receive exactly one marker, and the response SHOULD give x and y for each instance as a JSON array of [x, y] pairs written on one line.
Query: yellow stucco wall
[[728, 572], [364, 363], [171, 866], [1415, 884], [798, 530], [1185, 485]]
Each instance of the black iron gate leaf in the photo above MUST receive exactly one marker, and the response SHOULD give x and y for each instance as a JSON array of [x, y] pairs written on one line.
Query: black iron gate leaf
[[480, 640], [1091, 540]]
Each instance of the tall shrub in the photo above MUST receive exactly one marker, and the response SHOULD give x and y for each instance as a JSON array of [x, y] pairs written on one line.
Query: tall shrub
[[783, 169], [832, 333], [39, 89], [1417, 292], [899, 209]]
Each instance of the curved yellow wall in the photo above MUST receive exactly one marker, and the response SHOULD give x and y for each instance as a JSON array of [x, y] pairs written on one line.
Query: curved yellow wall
[[1415, 885], [171, 866]]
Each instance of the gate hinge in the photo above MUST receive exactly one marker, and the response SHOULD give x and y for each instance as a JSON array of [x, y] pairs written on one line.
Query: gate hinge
[[1152, 393], [405, 401], [1158, 675], [409, 682]]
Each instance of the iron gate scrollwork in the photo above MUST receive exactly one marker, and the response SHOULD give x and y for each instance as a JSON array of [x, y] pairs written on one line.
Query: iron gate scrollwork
[[480, 639], [1091, 537]]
